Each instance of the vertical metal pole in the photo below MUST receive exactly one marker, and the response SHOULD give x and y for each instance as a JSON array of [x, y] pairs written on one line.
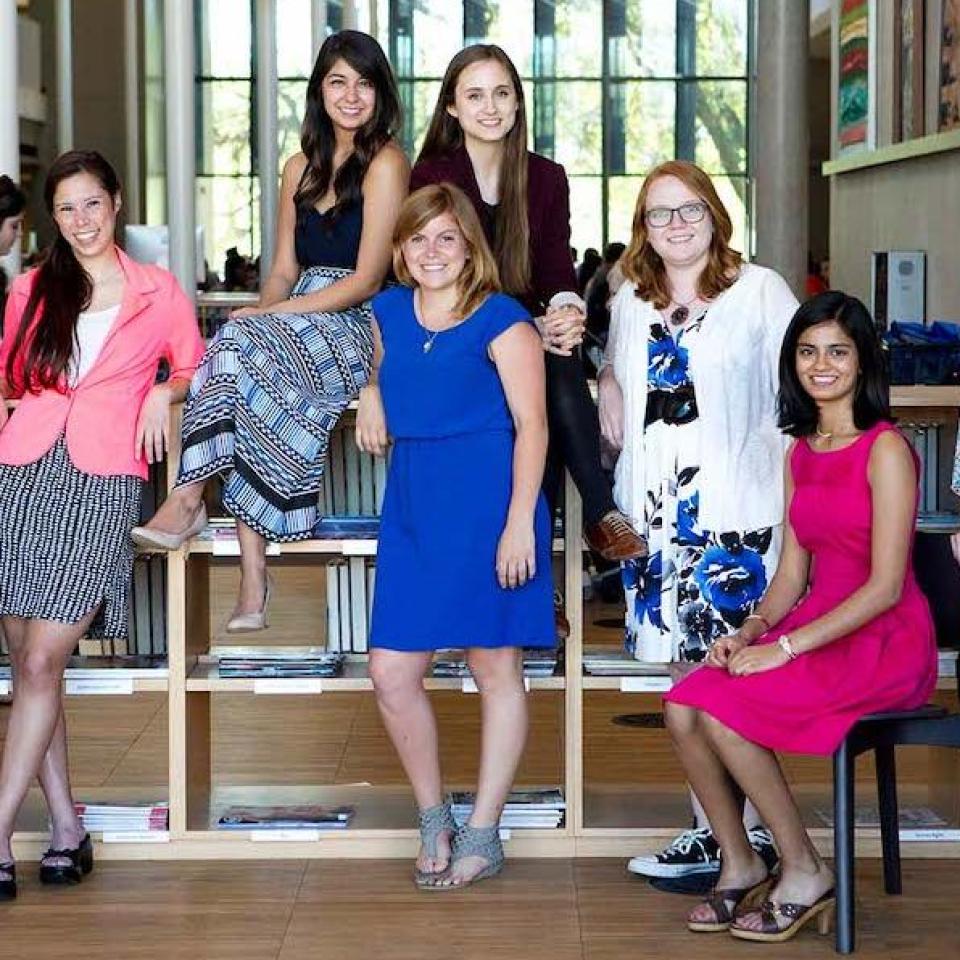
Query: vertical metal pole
[[132, 189], [64, 75], [9, 118], [178, 87], [267, 149]]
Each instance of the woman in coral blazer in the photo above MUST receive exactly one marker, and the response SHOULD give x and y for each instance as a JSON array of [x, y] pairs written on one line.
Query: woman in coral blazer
[[83, 337]]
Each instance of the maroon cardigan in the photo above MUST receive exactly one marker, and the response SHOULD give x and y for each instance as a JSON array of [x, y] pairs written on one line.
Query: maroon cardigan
[[548, 209]]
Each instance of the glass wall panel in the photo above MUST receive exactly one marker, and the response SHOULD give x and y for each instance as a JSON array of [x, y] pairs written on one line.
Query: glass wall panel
[[586, 212], [227, 208], [643, 38], [295, 53], [621, 200], [574, 45], [721, 126], [225, 38], [224, 135], [722, 38], [578, 126], [509, 24], [291, 106], [437, 36]]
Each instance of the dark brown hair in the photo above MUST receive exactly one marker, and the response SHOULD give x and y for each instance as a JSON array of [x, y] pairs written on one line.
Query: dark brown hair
[[642, 264], [480, 277], [317, 137], [62, 289], [12, 199], [511, 245]]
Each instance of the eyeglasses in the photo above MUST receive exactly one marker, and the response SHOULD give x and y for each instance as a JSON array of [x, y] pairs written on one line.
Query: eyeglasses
[[692, 212]]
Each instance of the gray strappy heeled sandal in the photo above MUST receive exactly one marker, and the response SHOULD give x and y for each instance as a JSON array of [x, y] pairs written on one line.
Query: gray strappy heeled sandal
[[469, 841], [434, 821]]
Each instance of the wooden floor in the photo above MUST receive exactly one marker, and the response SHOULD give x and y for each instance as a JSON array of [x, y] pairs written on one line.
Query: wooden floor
[[536, 910]]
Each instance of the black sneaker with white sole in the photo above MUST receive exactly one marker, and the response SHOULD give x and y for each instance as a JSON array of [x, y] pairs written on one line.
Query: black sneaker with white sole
[[694, 851], [761, 839]]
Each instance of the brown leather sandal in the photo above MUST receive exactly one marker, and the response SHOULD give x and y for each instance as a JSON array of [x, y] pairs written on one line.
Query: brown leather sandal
[[725, 904], [797, 915]]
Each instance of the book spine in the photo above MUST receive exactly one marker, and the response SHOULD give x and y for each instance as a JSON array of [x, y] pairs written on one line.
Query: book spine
[[358, 604]]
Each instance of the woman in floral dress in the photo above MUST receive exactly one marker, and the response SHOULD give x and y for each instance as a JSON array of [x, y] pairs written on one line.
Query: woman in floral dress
[[688, 392]]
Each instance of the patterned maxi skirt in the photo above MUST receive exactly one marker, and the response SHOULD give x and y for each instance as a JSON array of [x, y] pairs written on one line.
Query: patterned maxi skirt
[[65, 545], [263, 403]]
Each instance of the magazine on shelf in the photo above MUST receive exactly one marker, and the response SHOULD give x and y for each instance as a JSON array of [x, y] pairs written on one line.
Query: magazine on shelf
[[124, 817], [612, 662], [536, 663], [257, 664], [529, 809], [304, 816]]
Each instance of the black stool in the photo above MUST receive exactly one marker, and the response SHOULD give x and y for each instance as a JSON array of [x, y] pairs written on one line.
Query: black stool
[[929, 726]]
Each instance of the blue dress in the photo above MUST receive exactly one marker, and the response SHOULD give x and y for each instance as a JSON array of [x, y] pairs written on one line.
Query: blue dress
[[448, 489], [271, 388]]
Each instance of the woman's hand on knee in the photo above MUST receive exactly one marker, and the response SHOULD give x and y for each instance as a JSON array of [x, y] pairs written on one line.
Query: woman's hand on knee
[[724, 648]]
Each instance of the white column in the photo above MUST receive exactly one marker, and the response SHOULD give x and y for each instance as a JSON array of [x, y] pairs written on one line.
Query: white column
[[132, 189], [9, 119], [64, 75], [267, 150], [318, 24], [178, 73], [782, 152]]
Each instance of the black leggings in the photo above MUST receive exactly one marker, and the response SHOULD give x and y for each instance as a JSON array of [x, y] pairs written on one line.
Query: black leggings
[[574, 438]]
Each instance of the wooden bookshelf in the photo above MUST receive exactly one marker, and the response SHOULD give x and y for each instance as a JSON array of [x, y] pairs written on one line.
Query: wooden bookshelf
[[225, 738]]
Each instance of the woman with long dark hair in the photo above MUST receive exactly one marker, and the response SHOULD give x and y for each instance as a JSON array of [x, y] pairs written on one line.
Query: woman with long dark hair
[[276, 378], [12, 204], [83, 335], [843, 630], [477, 140]]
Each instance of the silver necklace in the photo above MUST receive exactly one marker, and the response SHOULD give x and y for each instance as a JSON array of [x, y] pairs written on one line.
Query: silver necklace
[[432, 334]]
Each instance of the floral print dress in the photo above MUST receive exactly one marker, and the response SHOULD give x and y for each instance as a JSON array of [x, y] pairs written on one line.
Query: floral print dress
[[695, 585]]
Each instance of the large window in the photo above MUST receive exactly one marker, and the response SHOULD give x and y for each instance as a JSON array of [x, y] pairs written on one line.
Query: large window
[[613, 87]]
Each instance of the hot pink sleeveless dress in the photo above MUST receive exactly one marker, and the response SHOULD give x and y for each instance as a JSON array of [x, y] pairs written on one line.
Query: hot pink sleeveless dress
[[809, 704]]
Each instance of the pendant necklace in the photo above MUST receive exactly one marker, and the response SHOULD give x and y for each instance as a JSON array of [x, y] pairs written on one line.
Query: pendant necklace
[[431, 334], [682, 313], [822, 434]]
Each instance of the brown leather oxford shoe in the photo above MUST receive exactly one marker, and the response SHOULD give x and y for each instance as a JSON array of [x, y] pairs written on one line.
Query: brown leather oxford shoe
[[615, 539]]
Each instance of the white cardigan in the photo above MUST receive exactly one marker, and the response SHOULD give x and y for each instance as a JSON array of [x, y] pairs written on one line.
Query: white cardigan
[[734, 365]]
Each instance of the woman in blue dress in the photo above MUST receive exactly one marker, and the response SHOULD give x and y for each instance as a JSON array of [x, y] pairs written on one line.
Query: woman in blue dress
[[464, 553], [276, 378]]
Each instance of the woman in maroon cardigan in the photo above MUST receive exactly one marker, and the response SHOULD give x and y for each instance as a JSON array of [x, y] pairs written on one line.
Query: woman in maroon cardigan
[[477, 141]]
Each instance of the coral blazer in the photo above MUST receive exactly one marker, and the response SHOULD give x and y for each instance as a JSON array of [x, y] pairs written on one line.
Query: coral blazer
[[548, 211], [99, 415]]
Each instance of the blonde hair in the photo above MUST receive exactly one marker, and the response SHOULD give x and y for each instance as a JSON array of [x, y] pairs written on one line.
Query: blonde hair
[[480, 276], [642, 264]]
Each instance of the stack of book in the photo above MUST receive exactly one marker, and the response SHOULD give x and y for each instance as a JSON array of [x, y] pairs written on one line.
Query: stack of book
[[536, 663], [614, 662], [124, 818], [302, 817], [281, 662], [526, 808]]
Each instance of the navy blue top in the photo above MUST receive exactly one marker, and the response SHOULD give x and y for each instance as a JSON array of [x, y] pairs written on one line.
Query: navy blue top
[[453, 388], [322, 241]]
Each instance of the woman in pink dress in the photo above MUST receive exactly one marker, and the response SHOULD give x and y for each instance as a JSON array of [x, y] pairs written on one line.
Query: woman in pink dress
[[842, 631]]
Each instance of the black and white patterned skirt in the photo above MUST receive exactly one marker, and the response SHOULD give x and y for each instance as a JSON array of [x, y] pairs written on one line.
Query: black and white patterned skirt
[[65, 545]]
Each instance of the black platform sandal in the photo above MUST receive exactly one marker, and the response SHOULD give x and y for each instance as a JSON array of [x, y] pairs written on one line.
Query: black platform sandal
[[81, 863], [8, 884]]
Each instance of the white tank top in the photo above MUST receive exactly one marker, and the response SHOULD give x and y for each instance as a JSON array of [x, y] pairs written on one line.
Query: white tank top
[[92, 329]]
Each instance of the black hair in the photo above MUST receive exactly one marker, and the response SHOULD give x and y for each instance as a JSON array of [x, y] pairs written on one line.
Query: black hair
[[317, 138], [13, 201], [797, 410], [62, 290], [612, 252]]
